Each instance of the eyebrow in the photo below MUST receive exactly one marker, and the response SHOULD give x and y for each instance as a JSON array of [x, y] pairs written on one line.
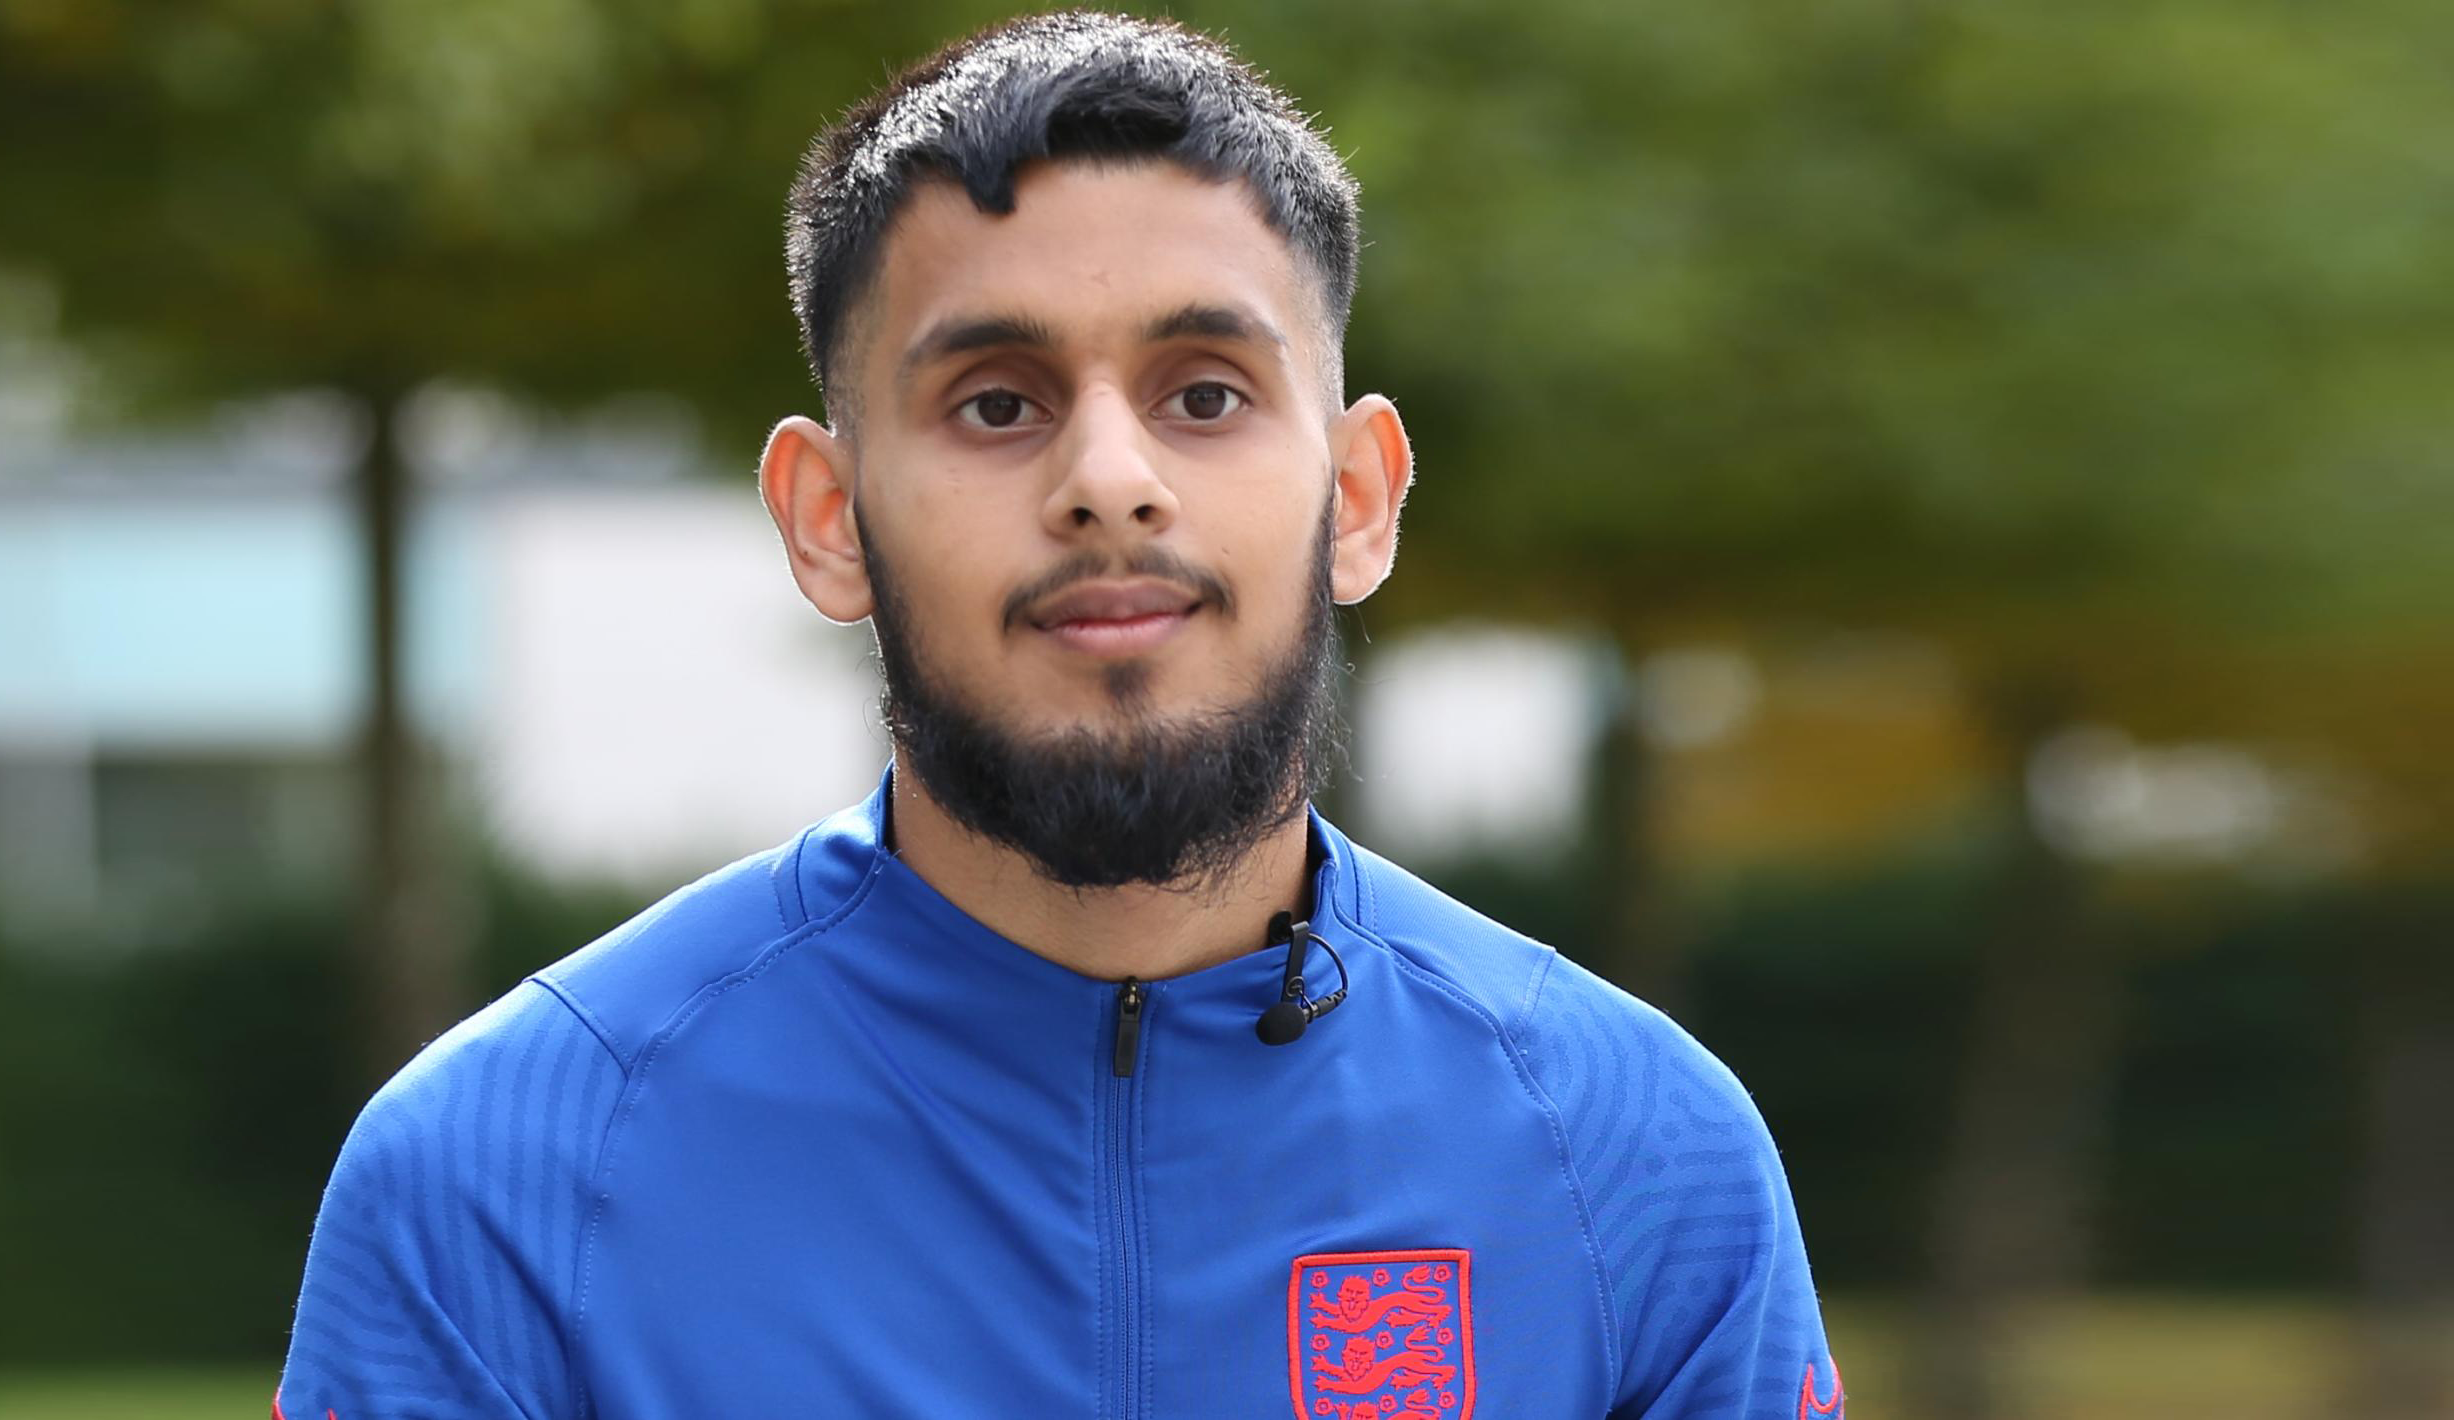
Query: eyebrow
[[1217, 322], [960, 335]]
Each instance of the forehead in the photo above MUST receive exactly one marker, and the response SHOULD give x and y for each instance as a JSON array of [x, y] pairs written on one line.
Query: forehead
[[1091, 251]]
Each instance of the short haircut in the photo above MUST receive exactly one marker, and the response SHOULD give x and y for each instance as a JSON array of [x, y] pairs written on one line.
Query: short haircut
[[1072, 85]]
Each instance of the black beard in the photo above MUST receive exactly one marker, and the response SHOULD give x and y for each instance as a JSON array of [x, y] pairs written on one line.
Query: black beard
[[1162, 802]]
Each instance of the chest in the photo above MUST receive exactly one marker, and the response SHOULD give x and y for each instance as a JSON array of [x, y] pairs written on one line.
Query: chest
[[1219, 1236]]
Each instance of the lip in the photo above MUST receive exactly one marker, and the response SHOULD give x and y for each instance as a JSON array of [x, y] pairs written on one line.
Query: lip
[[1110, 618]]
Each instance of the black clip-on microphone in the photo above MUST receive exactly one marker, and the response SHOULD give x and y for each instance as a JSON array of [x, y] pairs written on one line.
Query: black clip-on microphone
[[1287, 1017]]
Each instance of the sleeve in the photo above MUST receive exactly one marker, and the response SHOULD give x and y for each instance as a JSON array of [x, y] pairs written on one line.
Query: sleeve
[[441, 1277], [1712, 1303]]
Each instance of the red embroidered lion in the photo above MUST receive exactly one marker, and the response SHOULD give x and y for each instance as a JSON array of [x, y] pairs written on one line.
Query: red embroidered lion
[[1418, 1303], [1355, 1372]]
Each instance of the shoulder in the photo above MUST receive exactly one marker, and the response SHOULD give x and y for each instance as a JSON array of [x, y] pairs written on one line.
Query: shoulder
[[1579, 1015], [550, 1057], [1626, 1077], [524, 1077], [1688, 1205], [441, 1272], [629, 985], [1586, 1039], [475, 1164], [1684, 1196], [1541, 998], [1495, 968]]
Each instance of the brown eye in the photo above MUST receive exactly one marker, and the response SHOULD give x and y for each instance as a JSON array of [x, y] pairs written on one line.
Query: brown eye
[[1207, 401], [994, 409]]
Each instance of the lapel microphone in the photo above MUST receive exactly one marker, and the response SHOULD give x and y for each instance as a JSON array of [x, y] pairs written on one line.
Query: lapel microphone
[[1293, 1010]]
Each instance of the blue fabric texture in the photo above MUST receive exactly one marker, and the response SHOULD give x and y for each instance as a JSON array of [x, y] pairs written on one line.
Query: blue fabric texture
[[806, 1139]]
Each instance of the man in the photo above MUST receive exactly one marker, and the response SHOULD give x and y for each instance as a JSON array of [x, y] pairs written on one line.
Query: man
[[1082, 1071]]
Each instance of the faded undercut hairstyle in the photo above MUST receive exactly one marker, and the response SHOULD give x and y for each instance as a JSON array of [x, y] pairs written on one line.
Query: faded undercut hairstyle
[[1073, 85]]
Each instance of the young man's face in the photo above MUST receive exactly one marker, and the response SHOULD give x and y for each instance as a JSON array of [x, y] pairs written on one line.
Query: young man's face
[[1123, 372], [1098, 480]]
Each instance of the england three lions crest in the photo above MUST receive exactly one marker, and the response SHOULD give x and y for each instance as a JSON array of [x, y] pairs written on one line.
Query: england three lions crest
[[1378, 1334]]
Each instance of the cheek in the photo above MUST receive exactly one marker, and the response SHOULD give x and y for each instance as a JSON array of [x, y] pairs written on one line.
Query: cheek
[[955, 549], [1269, 511], [1273, 575]]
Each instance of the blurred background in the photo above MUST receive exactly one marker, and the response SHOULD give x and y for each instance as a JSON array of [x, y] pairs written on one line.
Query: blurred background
[[1931, 561]]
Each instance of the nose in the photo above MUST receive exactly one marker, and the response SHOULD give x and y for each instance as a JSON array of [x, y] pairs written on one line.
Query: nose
[[1109, 481]]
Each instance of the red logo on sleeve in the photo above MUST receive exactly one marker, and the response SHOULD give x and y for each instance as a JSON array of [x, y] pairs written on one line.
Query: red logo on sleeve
[[1374, 1334], [1809, 1407], [277, 1415]]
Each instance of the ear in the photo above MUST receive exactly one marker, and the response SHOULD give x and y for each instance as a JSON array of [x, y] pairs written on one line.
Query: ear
[[805, 478], [1375, 465]]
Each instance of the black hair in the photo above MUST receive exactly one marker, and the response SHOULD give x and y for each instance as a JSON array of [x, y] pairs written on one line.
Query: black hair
[[1077, 84]]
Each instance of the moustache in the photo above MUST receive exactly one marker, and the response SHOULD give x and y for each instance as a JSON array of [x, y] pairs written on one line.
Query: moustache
[[1206, 587]]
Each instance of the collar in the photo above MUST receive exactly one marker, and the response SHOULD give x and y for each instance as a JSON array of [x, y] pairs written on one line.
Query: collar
[[924, 943]]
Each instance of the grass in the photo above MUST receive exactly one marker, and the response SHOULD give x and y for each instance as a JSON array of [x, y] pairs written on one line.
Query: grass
[[140, 1393], [2126, 1358]]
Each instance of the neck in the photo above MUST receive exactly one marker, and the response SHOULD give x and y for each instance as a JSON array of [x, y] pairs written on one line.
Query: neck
[[1107, 933]]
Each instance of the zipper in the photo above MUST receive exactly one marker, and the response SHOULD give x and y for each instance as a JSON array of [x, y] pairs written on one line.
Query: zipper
[[1130, 998], [1124, 1210]]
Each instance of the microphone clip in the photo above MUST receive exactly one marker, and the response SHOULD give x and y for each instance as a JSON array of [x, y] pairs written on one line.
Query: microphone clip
[[1294, 1010]]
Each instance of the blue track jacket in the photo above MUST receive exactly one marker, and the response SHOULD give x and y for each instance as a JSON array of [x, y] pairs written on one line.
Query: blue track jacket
[[805, 1140]]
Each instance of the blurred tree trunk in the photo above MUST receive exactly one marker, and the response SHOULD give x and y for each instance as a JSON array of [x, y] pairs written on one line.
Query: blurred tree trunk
[[2013, 1217], [2403, 1364], [412, 958], [1632, 887]]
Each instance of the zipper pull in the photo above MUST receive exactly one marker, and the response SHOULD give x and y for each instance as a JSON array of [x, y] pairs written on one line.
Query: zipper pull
[[1129, 998]]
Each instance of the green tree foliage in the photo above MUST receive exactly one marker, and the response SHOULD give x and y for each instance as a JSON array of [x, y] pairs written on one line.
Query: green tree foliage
[[564, 198], [1996, 318], [1934, 314]]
